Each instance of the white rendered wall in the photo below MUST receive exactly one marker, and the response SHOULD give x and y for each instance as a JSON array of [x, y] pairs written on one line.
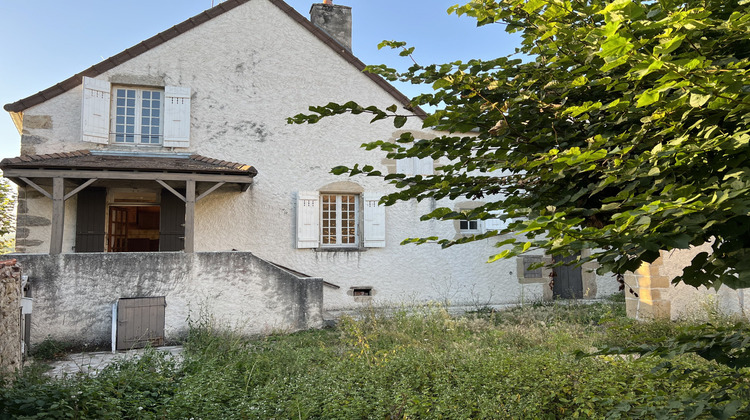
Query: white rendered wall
[[249, 69]]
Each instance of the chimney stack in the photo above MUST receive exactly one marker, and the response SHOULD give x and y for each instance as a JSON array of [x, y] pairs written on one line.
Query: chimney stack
[[334, 20]]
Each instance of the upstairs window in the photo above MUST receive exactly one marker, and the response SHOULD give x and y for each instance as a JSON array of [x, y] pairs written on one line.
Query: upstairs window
[[125, 115], [137, 116]]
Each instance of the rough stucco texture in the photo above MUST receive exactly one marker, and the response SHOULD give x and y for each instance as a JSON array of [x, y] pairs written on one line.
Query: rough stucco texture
[[74, 293], [242, 93], [10, 318]]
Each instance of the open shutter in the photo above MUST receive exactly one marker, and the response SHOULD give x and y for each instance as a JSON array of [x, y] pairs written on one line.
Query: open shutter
[[424, 166], [308, 219], [90, 212], [494, 224], [171, 222], [405, 166], [374, 221], [176, 116], [95, 110]]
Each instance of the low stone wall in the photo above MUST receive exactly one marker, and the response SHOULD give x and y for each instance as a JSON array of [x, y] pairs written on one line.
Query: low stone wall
[[74, 293], [10, 316]]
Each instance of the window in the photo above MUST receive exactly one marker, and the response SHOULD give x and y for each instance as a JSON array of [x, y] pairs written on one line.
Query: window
[[137, 116], [415, 166], [334, 220], [338, 217], [469, 226]]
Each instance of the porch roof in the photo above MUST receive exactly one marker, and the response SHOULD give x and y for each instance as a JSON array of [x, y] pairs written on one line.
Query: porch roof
[[127, 165]]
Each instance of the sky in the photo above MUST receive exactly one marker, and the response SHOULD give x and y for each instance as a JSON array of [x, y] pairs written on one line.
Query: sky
[[47, 41]]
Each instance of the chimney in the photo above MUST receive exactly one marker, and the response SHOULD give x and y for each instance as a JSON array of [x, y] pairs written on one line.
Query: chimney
[[334, 20]]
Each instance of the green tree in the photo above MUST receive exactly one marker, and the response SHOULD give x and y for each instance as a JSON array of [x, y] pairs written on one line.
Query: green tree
[[620, 126], [7, 219]]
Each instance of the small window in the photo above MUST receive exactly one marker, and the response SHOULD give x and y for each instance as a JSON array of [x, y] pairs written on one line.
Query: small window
[[339, 220], [137, 116], [529, 260], [363, 291], [469, 226]]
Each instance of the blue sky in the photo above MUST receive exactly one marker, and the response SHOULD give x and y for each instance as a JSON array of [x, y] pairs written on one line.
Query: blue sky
[[47, 41]]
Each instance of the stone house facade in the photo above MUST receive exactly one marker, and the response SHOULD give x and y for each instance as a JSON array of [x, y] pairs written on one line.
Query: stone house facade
[[139, 153]]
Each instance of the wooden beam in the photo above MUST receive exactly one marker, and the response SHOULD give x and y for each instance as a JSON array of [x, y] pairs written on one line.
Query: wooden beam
[[126, 175], [190, 216], [209, 191], [58, 215], [36, 187], [172, 190], [80, 187]]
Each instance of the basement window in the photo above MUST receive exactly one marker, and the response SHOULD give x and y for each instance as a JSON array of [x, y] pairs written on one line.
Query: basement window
[[362, 291]]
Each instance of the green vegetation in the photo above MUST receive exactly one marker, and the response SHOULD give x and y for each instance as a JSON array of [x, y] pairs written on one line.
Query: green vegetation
[[415, 363], [621, 126]]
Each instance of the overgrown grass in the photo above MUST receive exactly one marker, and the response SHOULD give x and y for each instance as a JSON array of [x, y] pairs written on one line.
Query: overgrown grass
[[415, 363]]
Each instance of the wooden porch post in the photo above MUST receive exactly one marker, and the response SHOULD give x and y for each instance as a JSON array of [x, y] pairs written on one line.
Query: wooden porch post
[[190, 216], [58, 215]]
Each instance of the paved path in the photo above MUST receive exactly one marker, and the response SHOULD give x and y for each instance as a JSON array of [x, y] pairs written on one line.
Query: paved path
[[93, 362]]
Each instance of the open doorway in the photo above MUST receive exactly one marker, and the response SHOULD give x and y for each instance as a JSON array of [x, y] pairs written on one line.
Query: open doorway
[[133, 229]]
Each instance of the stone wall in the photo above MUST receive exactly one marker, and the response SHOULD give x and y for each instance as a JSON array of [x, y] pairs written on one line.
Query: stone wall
[[74, 293], [654, 295], [10, 316]]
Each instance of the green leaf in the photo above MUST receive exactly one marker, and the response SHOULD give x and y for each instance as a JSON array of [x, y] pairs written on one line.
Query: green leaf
[[647, 98], [399, 121], [697, 100]]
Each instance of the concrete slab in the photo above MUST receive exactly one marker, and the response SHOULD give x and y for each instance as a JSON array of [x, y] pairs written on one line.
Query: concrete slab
[[92, 363]]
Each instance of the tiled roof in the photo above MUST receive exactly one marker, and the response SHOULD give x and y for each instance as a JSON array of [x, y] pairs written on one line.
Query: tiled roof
[[187, 25], [84, 159]]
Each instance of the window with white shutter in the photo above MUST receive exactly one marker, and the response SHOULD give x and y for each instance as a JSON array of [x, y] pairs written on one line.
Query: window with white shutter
[[374, 226], [308, 219], [495, 223], [95, 110], [129, 115], [415, 166], [332, 220]]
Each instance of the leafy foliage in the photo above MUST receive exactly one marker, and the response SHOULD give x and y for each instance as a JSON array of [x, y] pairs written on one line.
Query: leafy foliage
[[623, 127], [418, 362]]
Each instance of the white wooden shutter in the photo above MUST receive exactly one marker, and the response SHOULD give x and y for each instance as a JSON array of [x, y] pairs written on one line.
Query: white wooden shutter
[[374, 225], [308, 219], [405, 166], [424, 166], [176, 116], [494, 224], [95, 110]]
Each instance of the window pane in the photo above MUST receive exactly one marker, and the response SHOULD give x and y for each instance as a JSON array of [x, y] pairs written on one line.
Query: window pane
[[146, 94], [156, 95], [131, 93]]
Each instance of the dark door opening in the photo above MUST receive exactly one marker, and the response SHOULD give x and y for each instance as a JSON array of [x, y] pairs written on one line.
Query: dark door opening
[[133, 229], [568, 280]]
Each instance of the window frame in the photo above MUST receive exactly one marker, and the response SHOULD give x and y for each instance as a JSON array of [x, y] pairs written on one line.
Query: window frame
[[338, 235], [468, 229], [137, 117]]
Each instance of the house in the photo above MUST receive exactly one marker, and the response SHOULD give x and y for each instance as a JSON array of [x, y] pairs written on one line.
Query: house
[[169, 170]]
